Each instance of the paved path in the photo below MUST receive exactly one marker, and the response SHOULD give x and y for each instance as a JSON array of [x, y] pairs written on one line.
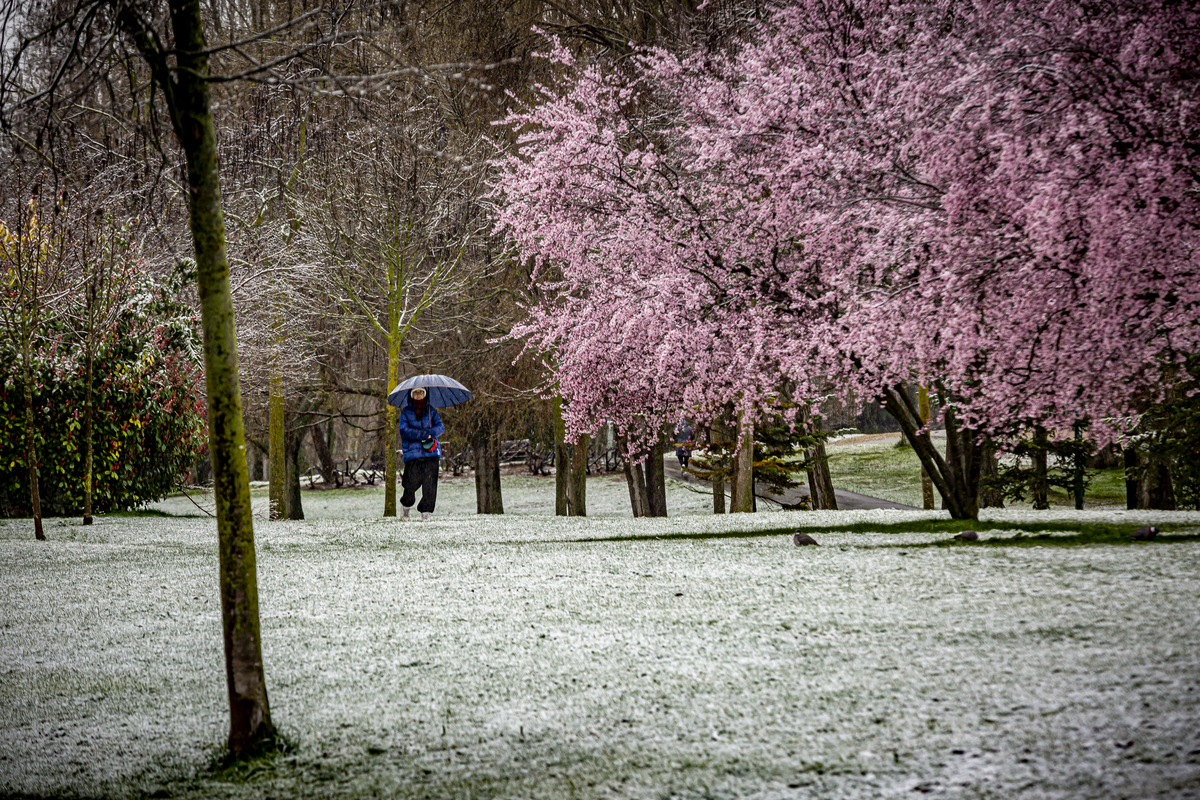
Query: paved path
[[847, 501]]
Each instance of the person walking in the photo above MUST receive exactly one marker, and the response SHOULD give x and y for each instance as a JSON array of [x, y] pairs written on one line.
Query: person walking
[[420, 426]]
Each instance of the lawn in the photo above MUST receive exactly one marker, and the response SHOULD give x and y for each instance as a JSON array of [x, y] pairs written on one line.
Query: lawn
[[529, 656], [875, 466]]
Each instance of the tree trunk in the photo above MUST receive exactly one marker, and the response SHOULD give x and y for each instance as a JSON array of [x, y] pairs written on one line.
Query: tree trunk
[[276, 427], [962, 458], [1132, 484], [1077, 476], [656, 480], [635, 479], [1041, 486], [578, 494], [88, 414], [31, 455], [329, 470], [718, 481], [924, 413], [250, 717], [391, 430], [820, 484], [743, 467], [485, 448], [958, 492], [990, 495], [294, 506], [562, 464], [1157, 489]]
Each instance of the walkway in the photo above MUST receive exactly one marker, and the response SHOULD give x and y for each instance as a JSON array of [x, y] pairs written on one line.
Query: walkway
[[847, 501]]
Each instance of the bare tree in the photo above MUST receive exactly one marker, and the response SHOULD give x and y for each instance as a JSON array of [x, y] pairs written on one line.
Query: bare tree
[[33, 284]]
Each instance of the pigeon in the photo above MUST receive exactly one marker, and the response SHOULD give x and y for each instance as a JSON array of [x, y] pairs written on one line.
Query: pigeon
[[967, 536], [802, 539], [1144, 533]]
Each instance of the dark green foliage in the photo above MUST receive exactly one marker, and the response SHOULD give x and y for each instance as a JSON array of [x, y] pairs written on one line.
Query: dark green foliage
[[779, 456], [149, 424], [1171, 434], [1016, 477]]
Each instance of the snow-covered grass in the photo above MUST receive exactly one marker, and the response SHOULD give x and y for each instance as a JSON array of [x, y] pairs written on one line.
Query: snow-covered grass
[[873, 465], [607, 496], [536, 657]]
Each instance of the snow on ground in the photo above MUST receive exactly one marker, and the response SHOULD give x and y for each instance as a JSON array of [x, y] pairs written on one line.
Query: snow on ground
[[535, 657], [607, 496]]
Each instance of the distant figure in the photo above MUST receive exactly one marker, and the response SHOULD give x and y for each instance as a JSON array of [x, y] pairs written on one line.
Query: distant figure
[[801, 539], [1144, 533], [683, 443], [420, 426], [683, 452]]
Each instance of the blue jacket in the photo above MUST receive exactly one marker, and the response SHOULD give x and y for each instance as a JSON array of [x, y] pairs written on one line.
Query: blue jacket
[[414, 430]]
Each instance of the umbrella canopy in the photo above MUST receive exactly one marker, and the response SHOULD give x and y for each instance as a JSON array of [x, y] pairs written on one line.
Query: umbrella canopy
[[441, 391]]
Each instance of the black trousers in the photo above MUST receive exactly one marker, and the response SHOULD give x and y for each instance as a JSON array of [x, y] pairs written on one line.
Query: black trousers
[[423, 473]]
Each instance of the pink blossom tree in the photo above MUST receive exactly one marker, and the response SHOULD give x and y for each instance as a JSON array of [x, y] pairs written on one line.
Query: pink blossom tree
[[997, 198]]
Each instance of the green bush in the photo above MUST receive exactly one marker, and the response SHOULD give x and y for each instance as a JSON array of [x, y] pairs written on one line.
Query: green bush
[[148, 428]]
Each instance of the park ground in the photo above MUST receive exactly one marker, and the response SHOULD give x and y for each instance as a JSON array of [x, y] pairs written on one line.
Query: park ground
[[528, 656]]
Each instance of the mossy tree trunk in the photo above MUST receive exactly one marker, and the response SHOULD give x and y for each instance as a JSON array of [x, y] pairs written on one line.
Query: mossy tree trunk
[[743, 467], [578, 483], [391, 430], [186, 90], [926, 482]]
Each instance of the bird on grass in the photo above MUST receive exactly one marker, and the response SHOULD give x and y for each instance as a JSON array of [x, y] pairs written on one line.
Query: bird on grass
[[967, 536], [1144, 533], [802, 539]]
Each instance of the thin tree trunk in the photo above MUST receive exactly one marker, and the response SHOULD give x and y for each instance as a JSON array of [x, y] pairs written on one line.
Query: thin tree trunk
[[1077, 476], [926, 482], [188, 92], [277, 454], [635, 475], [718, 480], [89, 410], [990, 495], [820, 484], [329, 470], [1132, 484], [656, 481], [562, 464], [579, 455], [635, 479], [31, 455], [391, 431], [743, 467], [1041, 487], [959, 500], [293, 439], [486, 448]]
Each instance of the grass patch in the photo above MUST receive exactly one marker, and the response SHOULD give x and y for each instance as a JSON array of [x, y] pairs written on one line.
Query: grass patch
[[263, 762], [1027, 533], [881, 469]]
